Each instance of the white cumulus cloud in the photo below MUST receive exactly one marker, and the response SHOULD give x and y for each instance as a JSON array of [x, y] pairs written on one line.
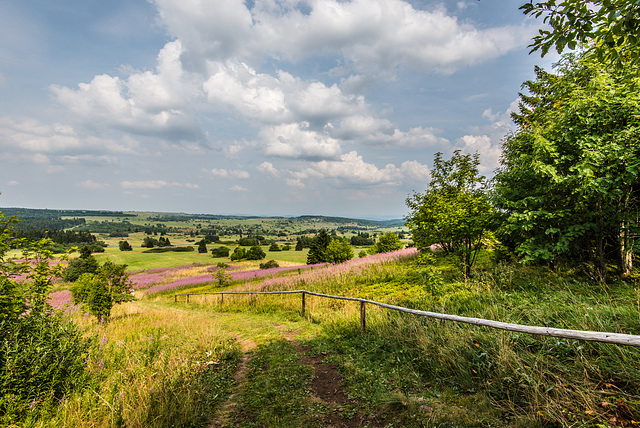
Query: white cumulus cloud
[[351, 169]]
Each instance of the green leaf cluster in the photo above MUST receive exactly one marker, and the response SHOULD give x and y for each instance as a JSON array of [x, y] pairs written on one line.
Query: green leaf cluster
[[41, 354], [109, 286], [608, 29], [338, 251], [454, 213], [568, 179]]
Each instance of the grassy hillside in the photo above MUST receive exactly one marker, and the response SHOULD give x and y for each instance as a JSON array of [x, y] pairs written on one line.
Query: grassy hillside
[[261, 363]]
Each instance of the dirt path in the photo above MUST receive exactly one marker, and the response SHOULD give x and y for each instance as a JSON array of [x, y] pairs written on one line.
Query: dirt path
[[225, 411], [326, 387]]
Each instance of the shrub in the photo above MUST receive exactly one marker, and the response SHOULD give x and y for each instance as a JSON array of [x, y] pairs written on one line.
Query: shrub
[[41, 356], [221, 275], [274, 247], [270, 264], [41, 361], [220, 252], [169, 249], [100, 291], [124, 246], [255, 253], [238, 254], [80, 266]]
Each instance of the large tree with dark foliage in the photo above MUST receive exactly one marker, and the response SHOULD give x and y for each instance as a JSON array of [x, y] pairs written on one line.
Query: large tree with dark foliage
[[569, 178], [318, 247]]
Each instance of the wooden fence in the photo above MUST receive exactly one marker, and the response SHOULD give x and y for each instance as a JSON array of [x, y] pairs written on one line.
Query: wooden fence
[[616, 338]]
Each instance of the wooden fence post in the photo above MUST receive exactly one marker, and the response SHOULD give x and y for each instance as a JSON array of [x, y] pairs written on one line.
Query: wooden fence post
[[222, 300], [303, 303], [205, 297], [187, 298], [175, 298], [251, 299], [363, 321]]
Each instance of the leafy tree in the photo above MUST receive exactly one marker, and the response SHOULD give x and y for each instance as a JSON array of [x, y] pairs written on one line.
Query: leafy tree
[[454, 212], [338, 251], [220, 252], [568, 180], [86, 263], [275, 247], [318, 247], [362, 239], [104, 289], [149, 242], [124, 246], [211, 238], [363, 253], [286, 247], [248, 241], [269, 264], [41, 353], [221, 275], [238, 253], [202, 247], [255, 253], [388, 241], [299, 246], [610, 29]]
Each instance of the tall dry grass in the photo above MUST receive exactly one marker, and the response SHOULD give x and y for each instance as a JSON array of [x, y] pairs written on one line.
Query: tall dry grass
[[151, 367]]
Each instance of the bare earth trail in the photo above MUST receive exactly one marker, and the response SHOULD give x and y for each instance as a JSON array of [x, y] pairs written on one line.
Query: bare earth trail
[[326, 387]]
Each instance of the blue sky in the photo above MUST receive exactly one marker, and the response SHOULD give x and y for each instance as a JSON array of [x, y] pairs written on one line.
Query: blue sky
[[264, 107]]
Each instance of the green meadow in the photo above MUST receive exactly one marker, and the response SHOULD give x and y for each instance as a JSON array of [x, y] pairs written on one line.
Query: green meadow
[[255, 362]]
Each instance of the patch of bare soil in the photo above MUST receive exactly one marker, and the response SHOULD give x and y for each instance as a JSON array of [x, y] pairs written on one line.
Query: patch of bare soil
[[327, 386]]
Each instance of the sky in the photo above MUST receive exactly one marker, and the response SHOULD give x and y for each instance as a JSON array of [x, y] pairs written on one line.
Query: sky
[[252, 107]]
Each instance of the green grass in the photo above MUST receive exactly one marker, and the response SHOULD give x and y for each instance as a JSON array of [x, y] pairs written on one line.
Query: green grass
[[420, 369], [137, 260], [404, 370]]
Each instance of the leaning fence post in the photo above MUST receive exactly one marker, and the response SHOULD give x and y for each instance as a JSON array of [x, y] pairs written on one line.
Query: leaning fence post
[[303, 303], [175, 298], [363, 321]]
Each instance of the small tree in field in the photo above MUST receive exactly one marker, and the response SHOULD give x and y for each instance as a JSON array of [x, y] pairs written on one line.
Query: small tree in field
[[237, 254], [221, 275], [454, 212], [202, 247], [255, 253], [388, 241], [338, 251], [124, 246], [104, 289], [220, 252]]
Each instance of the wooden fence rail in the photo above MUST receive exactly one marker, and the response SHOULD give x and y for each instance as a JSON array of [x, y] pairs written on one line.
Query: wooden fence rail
[[616, 338]]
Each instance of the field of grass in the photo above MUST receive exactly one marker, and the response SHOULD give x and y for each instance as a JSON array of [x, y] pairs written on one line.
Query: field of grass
[[137, 260], [257, 362]]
